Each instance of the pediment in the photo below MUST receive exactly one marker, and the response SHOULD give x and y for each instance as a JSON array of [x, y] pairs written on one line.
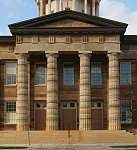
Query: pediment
[[68, 23], [66, 19]]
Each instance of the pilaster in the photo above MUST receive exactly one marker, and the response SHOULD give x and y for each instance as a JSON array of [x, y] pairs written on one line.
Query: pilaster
[[52, 93], [85, 93], [22, 94], [49, 6], [61, 5], [113, 97], [93, 7], [85, 6]]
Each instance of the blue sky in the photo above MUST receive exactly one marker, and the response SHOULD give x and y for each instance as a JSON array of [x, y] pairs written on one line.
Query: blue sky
[[12, 11]]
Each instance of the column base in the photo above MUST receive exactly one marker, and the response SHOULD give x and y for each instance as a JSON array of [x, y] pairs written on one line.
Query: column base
[[85, 127], [51, 128], [114, 127], [22, 128]]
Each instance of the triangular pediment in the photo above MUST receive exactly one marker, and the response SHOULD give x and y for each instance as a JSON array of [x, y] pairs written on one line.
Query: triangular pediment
[[66, 19], [68, 23]]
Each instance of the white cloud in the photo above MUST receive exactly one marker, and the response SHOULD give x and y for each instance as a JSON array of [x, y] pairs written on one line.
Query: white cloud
[[113, 9]]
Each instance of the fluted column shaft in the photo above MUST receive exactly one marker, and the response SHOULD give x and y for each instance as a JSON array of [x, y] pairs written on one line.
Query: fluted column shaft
[[93, 7], [85, 93], [38, 10], [61, 5], [113, 98], [49, 6], [22, 94], [97, 9], [74, 5], [85, 6], [41, 8], [52, 93]]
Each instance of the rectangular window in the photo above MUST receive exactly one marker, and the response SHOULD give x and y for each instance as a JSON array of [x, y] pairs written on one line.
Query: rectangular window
[[125, 73], [96, 73], [40, 74], [68, 73], [11, 112], [10, 73], [126, 111]]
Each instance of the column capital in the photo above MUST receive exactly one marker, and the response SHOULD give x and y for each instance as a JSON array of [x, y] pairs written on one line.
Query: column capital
[[86, 54], [52, 54], [113, 54], [22, 55]]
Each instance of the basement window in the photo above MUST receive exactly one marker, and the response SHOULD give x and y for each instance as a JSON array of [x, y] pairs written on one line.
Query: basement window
[[11, 112], [126, 111]]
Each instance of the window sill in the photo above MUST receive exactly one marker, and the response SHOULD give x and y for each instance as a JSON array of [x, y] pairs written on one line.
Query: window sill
[[96, 84], [125, 84], [10, 123], [68, 84], [126, 122], [38, 85], [10, 85]]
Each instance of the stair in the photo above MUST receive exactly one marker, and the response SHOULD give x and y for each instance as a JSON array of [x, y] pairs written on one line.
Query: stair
[[61, 137]]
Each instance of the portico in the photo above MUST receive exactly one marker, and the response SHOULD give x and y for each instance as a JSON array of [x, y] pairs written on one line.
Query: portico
[[73, 75]]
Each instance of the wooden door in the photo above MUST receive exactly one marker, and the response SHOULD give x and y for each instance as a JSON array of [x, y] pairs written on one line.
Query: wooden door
[[40, 119], [97, 115], [68, 119], [96, 119]]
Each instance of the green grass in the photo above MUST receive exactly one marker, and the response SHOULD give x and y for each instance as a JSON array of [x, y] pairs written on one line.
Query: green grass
[[12, 147], [125, 146]]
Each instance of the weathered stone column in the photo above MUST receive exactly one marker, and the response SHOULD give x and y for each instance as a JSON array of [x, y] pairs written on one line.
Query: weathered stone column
[[61, 5], [52, 93], [113, 90], [97, 9], [85, 6], [93, 7], [38, 9], [49, 6], [41, 8], [85, 93], [22, 94], [74, 5]]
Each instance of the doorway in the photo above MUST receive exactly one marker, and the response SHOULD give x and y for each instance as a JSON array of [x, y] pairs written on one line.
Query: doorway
[[40, 115], [97, 115], [68, 115]]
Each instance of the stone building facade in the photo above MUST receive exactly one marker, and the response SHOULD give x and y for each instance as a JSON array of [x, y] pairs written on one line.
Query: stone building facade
[[68, 70]]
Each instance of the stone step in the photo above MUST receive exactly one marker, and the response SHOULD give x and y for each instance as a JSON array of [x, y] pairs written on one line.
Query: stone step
[[61, 137]]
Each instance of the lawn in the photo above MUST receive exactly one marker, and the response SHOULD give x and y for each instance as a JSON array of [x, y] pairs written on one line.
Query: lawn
[[125, 146], [12, 147]]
